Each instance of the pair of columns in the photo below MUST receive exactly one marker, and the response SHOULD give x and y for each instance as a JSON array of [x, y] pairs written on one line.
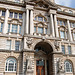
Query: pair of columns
[[54, 27], [29, 22]]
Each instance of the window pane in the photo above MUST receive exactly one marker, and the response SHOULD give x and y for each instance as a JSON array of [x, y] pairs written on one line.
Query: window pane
[[14, 28], [74, 36], [40, 18], [1, 27], [20, 16], [17, 44], [34, 29], [11, 14], [69, 49], [8, 45], [15, 15], [63, 49], [17, 0], [8, 28], [19, 29], [45, 30], [3, 13], [62, 34], [40, 30]]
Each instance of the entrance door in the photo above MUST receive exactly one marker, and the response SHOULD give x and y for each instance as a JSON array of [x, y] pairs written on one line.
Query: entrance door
[[40, 68]]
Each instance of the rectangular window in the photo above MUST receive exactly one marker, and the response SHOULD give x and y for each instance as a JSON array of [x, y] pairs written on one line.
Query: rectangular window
[[69, 49], [17, 45], [8, 28], [15, 15], [40, 30], [14, 28], [34, 29], [17, 1], [3, 13], [20, 16], [19, 29], [11, 15], [8, 45], [1, 27], [60, 22], [63, 49], [74, 36], [62, 34]]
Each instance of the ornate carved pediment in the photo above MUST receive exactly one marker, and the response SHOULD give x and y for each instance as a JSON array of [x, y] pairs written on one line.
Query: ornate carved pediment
[[15, 21], [42, 3]]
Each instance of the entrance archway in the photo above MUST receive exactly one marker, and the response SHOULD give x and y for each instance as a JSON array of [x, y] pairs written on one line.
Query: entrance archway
[[44, 58]]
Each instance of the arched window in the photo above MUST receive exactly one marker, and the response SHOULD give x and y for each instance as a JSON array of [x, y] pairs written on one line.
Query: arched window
[[10, 64], [40, 18], [68, 66], [70, 11], [59, 9]]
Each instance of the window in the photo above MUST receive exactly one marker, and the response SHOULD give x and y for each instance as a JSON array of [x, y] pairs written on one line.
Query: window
[[70, 12], [19, 29], [63, 49], [10, 65], [61, 22], [14, 28], [40, 30], [68, 66], [72, 24], [62, 34], [15, 15], [34, 29], [69, 49], [74, 35], [11, 14], [17, 1], [17, 45], [45, 30], [8, 45], [58, 9], [8, 28], [40, 18], [1, 27], [3, 13], [20, 16]]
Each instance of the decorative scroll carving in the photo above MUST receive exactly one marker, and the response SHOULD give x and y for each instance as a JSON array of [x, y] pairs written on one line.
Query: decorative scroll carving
[[29, 42], [56, 43]]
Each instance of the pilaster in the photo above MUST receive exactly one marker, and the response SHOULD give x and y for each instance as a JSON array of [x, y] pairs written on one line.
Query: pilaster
[[69, 31], [6, 21]]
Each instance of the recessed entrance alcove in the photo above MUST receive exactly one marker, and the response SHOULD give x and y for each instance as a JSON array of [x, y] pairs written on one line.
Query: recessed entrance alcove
[[44, 58]]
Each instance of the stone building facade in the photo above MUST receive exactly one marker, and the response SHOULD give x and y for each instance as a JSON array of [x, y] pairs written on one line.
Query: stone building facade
[[37, 37]]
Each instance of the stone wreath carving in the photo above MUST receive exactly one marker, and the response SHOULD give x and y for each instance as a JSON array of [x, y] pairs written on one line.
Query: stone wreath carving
[[29, 42]]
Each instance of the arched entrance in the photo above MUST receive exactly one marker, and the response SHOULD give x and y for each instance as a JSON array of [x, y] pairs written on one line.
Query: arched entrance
[[44, 58]]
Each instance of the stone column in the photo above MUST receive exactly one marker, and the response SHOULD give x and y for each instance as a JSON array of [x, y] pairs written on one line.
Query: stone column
[[6, 21], [52, 25], [56, 27], [23, 26], [69, 31], [27, 21], [31, 23]]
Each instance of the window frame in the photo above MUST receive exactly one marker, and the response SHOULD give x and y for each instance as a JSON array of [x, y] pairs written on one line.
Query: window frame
[[68, 69], [14, 65], [17, 49]]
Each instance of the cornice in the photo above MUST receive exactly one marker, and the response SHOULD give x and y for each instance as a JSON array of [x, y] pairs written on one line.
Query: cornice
[[12, 3], [65, 13]]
